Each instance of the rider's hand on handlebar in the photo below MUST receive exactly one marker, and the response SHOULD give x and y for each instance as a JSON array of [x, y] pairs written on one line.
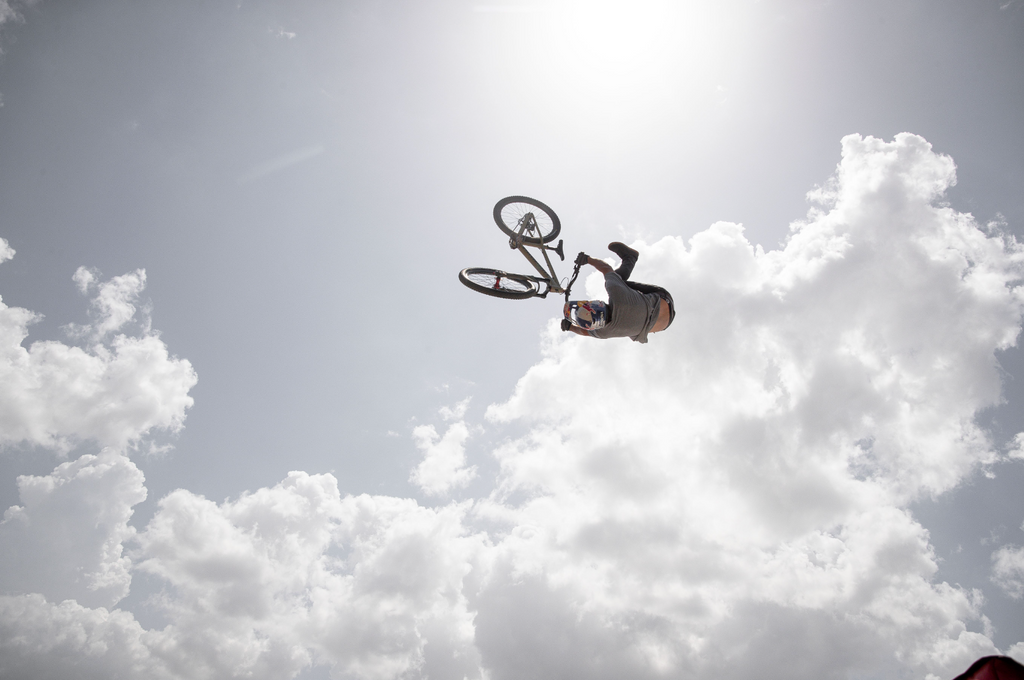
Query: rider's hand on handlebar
[[566, 324], [582, 258]]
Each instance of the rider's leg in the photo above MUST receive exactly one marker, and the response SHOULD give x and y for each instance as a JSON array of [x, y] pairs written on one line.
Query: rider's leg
[[628, 256]]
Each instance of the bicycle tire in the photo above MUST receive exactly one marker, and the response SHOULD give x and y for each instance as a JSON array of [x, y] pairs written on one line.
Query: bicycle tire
[[497, 283], [509, 210]]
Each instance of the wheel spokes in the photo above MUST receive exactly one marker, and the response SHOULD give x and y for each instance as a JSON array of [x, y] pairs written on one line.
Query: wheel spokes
[[516, 213], [499, 282]]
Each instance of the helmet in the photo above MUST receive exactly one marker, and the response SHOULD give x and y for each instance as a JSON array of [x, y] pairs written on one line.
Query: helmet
[[587, 314]]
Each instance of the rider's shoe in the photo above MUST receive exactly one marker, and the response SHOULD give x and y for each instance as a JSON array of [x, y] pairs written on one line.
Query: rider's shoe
[[623, 251], [628, 257]]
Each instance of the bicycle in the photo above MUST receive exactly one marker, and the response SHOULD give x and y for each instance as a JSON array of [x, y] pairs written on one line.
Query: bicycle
[[528, 224]]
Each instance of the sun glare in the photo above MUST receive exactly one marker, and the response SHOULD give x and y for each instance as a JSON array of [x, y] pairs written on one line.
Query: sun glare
[[606, 60], [643, 41]]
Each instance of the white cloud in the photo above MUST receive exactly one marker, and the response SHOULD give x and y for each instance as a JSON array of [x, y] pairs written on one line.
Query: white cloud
[[113, 392], [10, 10], [65, 539], [6, 251], [1017, 447], [729, 500], [39, 639], [114, 304], [1008, 570], [456, 412], [754, 462], [444, 458], [267, 583]]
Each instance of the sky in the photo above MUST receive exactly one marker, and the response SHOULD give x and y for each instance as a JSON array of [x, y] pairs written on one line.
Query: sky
[[251, 424]]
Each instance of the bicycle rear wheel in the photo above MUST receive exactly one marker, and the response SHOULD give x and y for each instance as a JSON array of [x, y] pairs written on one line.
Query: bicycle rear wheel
[[510, 211], [498, 283]]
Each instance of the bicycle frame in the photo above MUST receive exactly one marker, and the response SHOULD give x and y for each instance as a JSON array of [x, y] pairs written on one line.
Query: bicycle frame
[[518, 242]]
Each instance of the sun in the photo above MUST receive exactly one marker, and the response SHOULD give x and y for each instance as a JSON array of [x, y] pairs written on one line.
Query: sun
[[602, 64]]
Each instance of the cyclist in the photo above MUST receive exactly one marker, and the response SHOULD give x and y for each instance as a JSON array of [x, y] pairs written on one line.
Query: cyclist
[[633, 309]]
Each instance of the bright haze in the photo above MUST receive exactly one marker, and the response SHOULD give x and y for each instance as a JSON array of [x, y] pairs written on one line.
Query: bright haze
[[251, 424]]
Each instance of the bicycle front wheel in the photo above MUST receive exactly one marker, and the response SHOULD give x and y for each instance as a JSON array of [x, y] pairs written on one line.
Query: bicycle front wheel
[[498, 283], [510, 212]]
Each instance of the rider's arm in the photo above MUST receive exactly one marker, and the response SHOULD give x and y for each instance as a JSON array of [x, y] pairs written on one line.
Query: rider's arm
[[600, 265]]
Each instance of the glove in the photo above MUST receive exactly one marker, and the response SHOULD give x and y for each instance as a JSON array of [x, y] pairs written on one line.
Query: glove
[[566, 324], [582, 258]]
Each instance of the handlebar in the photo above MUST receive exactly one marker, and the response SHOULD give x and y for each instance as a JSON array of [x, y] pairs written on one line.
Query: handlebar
[[581, 260]]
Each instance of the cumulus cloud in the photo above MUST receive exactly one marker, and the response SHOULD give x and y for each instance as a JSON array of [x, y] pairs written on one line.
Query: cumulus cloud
[[1017, 447], [730, 500], [755, 462], [112, 392], [1008, 570], [65, 539], [114, 304], [265, 585], [444, 457], [39, 639]]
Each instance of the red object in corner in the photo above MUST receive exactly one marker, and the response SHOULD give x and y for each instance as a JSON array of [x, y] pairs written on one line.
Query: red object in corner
[[993, 668]]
